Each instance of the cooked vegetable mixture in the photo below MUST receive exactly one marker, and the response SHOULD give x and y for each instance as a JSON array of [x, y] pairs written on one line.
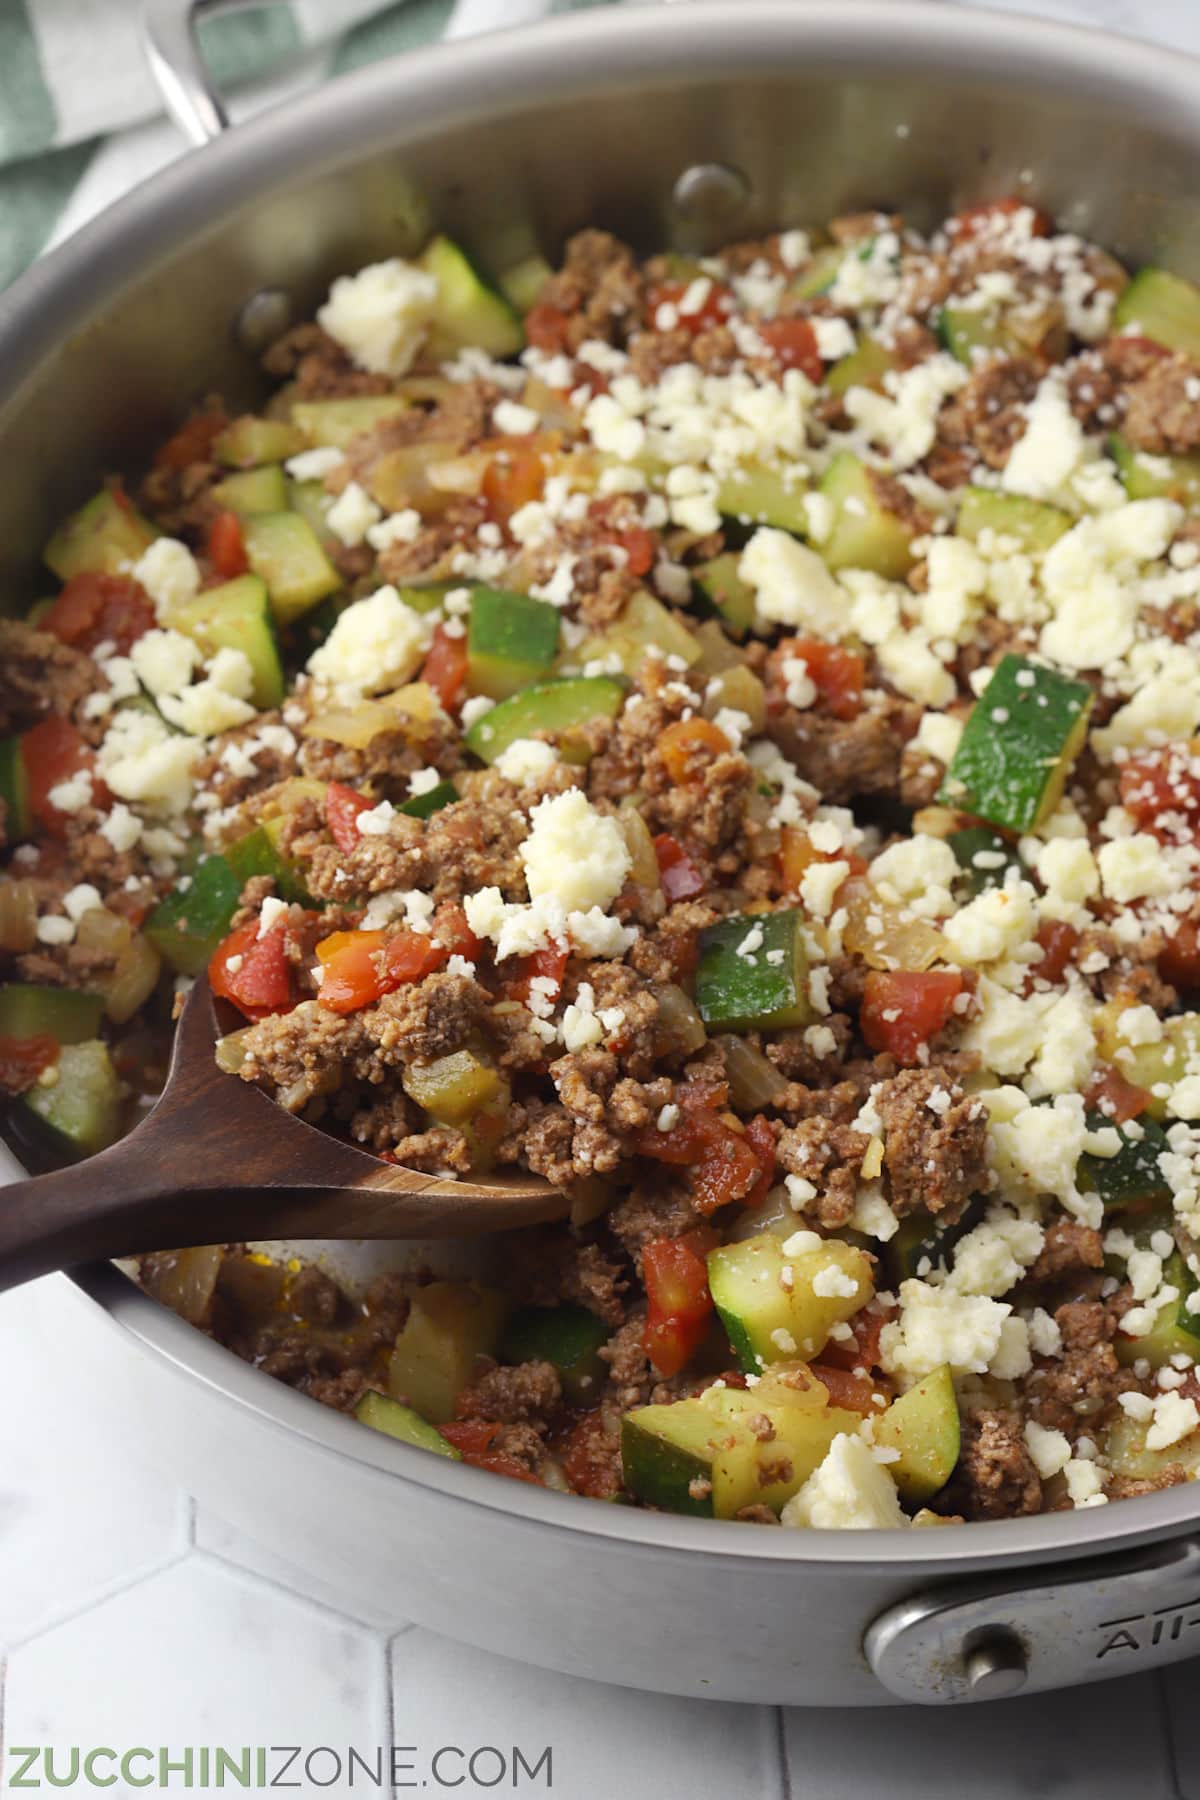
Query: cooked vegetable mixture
[[721, 735]]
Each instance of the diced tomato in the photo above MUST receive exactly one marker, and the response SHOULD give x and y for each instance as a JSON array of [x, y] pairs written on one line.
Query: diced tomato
[[588, 1461], [547, 965], [1162, 791], [193, 441], [23, 1059], [1179, 958], [861, 1351], [761, 1140], [679, 1303], [1118, 1099], [94, 609], [688, 745], [350, 963], [409, 956], [715, 306], [260, 979], [857, 1393], [472, 1438], [52, 752], [975, 221], [361, 966], [902, 1009], [797, 852], [680, 878], [1059, 942], [724, 1165], [837, 674], [450, 928], [343, 806], [445, 669], [641, 549], [227, 546], [547, 327], [515, 476], [793, 344]]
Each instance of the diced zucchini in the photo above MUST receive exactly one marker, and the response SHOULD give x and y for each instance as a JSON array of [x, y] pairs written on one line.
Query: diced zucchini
[[1156, 477], [14, 790], [285, 551], [1162, 307], [553, 706], [1126, 1453], [64, 1014], [703, 1457], [102, 536], [984, 857], [423, 806], [452, 1088], [467, 311], [866, 366], [1176, 1331], [332, 424], [742, 980], [822, 271], [311, 502], [569, 1337], [450, 1326], [187, 926], [511, 641], [724, 589], [924, 1241], [1150, 1066], [258, 853], [253, 491], [1132, 1179], [522, 284], [762, 494], [238, 616], [768, 1322], [967, 332], [923, 1425], [401, 1422], [82, 1110], [1020, 741], [427, 599], [865, 535], [1032, 524], [250, 441], [645, 628]]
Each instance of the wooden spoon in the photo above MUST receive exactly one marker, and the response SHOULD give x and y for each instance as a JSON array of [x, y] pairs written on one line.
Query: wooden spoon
[[216, 1161]]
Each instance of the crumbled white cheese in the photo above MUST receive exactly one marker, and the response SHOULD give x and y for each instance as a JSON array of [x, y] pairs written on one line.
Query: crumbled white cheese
[[353, 514], [169, 573], [1174, 1419], [164, 661], [848, 1491], [792, 584], [938, 1325], [381, 315], [375, 644], [315, 465], [1050, 1450], [574, 854], [526, 759]]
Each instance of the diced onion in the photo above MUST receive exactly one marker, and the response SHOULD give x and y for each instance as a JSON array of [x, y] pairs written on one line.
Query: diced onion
[[754, 1081], [885, 936], [18, 916], [680, 1027], [133, 979]]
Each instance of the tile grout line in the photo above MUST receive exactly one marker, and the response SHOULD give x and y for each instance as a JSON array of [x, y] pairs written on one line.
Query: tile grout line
[[389, 1703], [1168, 1732], [3, 1738], [100, 1597], [275, 1584], [785, 1773]]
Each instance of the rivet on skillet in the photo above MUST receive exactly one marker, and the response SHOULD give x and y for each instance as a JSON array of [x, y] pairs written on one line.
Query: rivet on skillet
[[709, 199], [995, 1665], [261, 319]]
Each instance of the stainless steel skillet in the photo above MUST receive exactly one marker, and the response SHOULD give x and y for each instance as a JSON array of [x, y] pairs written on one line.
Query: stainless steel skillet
[[684, 124]]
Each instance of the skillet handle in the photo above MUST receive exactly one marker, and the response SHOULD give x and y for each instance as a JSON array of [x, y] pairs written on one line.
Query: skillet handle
[[1086, 1621], [172, 50]]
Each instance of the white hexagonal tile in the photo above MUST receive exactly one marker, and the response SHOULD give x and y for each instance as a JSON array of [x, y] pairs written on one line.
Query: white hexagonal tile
[[202, 1654], [76, 1516], [234, 1546], [604, 1741], [1082, 1744]]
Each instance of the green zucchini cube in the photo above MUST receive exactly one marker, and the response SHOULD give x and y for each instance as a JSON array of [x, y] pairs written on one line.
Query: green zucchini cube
[[14, 790], [1019, 744], [512, 639], [468, 310], [866, 534], [238, 616], [423, 806], [552, 707], [82, 1112], [1162, 307], [1132, 1178], [250, 441], [1032, 524], [1156, 477], [249, 491], [101, 538], [922, 1425], [731, 598], [753, 972], [984, 857], [284, 550], [65, 1014], [187, 926], [569, 1337], [401, 1422]]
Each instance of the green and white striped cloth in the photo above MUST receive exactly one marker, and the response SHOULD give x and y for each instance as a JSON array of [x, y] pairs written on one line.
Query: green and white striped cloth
[[81, 120]]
